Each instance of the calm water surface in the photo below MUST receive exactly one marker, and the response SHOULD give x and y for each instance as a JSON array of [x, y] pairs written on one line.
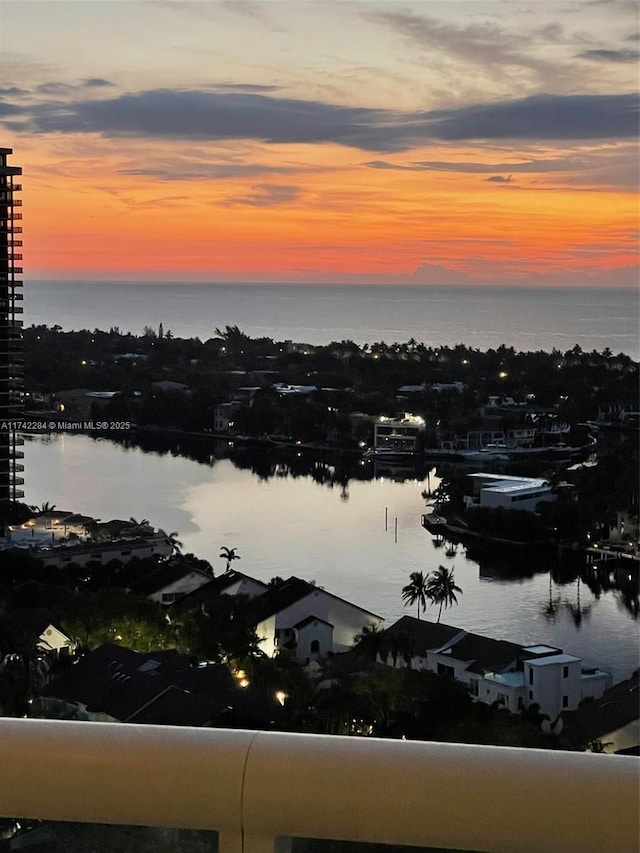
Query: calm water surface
[[481, 317], [293, 525]]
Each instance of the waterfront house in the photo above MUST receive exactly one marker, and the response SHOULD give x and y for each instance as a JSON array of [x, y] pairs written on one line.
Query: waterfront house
[[47, 527], [610, 723], [511, 437], [170, 582], [158, 545], [308, 621], [224, 416], [398, 434], [507, 492], [509, 674]]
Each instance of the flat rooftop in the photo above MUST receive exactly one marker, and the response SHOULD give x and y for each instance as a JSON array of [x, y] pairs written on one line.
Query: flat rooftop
[[541, 650], [553, 659]]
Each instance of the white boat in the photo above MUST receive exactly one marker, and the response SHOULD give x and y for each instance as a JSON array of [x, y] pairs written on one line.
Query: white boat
[[499, 452]]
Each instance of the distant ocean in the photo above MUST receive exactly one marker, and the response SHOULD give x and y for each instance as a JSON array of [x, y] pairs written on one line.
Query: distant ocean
[[525, 318]]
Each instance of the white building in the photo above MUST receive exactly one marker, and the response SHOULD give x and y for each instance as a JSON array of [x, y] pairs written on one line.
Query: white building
[[309, 621], [514, 676], [399, 434], [498, 490], [170, 583], [103, 553]]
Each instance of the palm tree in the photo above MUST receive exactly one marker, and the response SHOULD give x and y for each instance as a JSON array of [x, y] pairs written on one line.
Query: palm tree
[[416, 591], [172, 539], [370, 643], [229, 554], [401, 645], [441, 588]]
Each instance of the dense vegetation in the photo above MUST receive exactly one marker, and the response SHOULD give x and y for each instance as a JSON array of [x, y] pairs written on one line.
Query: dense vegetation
[[354, 378]]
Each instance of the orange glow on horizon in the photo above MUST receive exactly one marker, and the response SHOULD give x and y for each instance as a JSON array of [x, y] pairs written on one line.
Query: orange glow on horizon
[[333, 215]]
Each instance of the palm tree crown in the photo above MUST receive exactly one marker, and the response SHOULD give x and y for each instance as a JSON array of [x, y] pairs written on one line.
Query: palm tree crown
[[441, 588], [416, 591], [229, 554]]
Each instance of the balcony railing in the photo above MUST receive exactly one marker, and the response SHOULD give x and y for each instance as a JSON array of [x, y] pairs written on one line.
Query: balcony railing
[[256, 787]]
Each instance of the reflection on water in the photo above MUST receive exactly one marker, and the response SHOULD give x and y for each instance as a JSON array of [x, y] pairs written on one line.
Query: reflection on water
[[290, 513]]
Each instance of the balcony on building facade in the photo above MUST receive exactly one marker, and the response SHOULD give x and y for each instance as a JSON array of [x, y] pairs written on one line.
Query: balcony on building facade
[[259, 788]]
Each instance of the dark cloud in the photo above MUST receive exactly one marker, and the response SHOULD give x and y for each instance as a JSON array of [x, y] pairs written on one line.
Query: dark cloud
[[265, 195], [624, 55], [13, 91], [201, 115], [500, 179], [9, 109], [97, 82], [561, 164], [542, 117]]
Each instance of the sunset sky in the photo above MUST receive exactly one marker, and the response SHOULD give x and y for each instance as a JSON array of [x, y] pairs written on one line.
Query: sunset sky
[[330, 140]]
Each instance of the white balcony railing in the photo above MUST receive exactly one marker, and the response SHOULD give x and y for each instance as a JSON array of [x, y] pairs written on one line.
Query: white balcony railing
[[256, 787]]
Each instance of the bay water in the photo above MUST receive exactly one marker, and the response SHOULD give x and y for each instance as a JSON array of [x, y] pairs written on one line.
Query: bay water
[[334, 533]]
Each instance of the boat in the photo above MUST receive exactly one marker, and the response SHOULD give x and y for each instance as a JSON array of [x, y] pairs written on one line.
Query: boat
[[389, 455], [497, 452]]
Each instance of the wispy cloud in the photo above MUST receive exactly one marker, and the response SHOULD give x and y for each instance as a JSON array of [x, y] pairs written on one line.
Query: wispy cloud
[[489, 46], [205, 115], [558, 164], [54, 88], [264, 195], [182, 169], [622, 55]]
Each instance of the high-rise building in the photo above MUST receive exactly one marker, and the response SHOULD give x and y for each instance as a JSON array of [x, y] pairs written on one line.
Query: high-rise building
[[11, 361]]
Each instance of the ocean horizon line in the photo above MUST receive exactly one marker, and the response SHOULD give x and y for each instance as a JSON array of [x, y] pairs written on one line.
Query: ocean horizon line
[[340, 285]]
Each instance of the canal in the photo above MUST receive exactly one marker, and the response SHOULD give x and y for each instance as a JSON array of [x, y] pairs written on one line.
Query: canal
[[335, 524]]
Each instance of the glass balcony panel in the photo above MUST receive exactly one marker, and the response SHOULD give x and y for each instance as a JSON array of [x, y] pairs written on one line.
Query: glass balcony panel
[[325, 845], [103, 838]]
